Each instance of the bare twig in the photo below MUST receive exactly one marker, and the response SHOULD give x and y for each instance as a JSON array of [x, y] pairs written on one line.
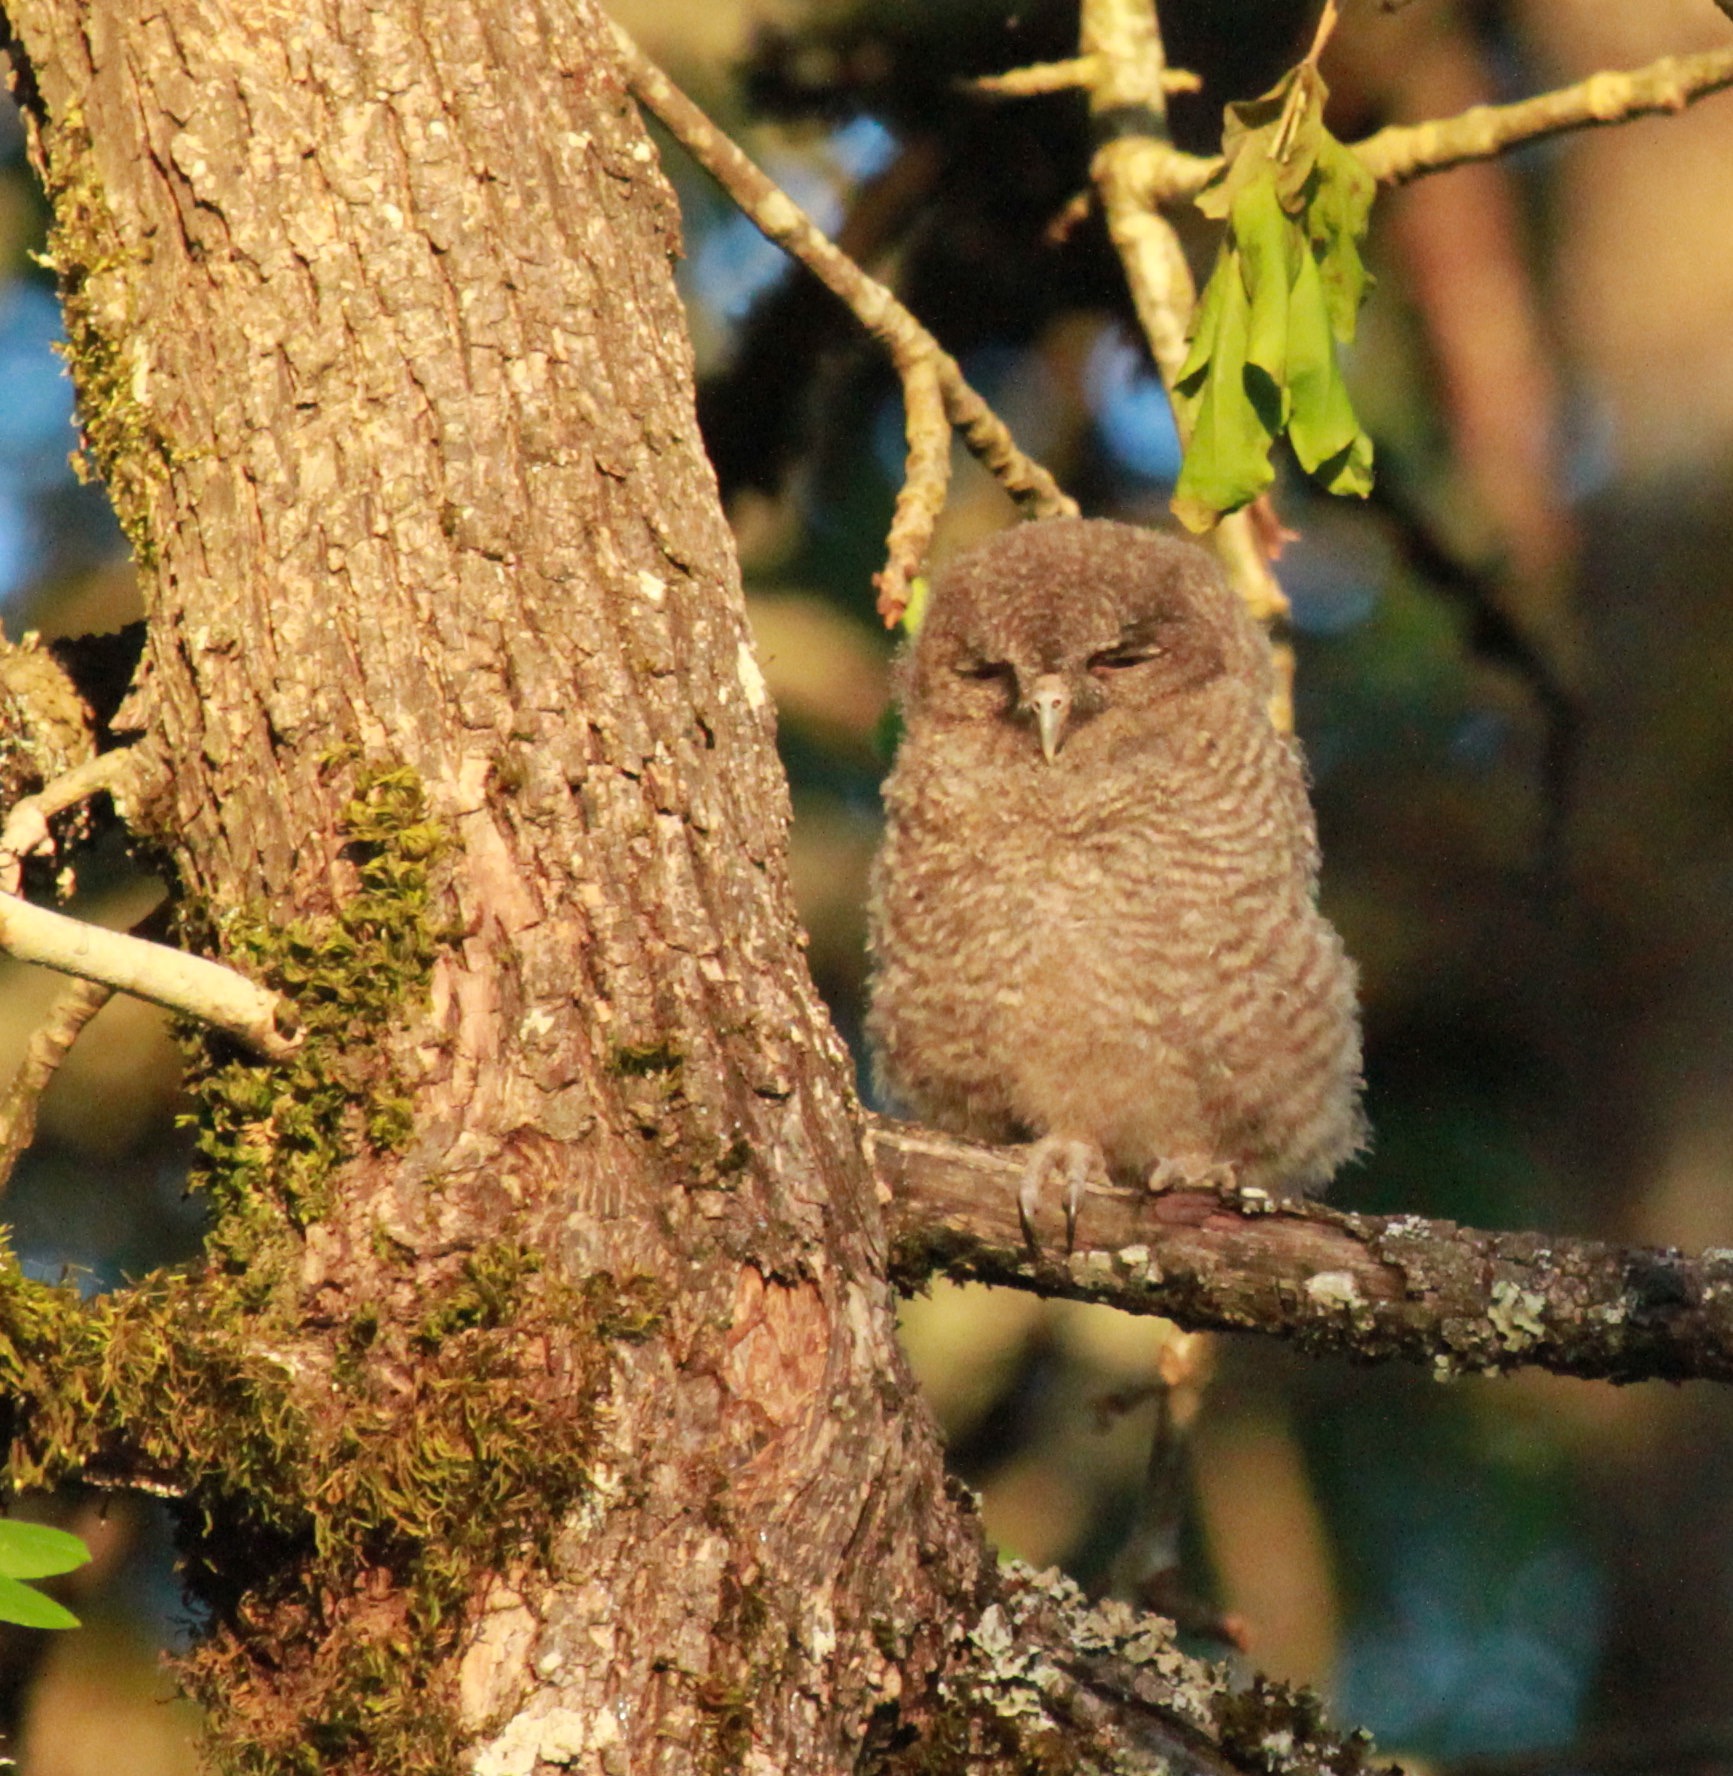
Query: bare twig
[[50, 1044], [1160, 174], [191, 985], [780, 219], [1403, 152], [1079, 72], [26, 831], [921, 498], [1375, 1287]]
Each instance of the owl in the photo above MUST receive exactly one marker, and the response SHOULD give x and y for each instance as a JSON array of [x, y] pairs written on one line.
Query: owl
[[1094, 919]]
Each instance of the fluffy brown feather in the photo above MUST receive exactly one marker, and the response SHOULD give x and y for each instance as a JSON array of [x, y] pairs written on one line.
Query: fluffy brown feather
[[1094, 913]]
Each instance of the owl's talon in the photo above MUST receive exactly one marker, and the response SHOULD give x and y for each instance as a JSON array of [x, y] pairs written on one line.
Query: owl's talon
[[1191, 1171], [1078, 1163]]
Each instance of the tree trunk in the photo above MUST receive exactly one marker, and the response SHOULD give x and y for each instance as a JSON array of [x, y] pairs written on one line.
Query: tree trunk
[[553, 1253]]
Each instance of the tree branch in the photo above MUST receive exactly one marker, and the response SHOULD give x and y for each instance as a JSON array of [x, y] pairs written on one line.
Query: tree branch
[[77, 1003], [120, 773], [1404, 151], [1121, 43], [192, 985], [911, 346], [1107, 1686], [1161, 174], [1374, 1287]]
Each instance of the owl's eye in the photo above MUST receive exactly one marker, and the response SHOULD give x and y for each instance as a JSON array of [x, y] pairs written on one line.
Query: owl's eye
[[984, 669], [1121, 659]]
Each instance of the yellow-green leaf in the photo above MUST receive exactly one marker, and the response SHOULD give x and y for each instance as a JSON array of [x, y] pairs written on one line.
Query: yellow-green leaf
[[1227, 461], [38, 1551], [1336, 211], [30, 1608], [1321, 419], [1268, 244]]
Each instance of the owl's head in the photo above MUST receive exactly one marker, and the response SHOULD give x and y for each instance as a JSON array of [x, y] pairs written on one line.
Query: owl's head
[[1048, 630]]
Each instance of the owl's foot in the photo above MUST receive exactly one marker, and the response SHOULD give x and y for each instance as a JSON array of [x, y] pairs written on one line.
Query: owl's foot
[[1191, 1171], [1078, 1164]]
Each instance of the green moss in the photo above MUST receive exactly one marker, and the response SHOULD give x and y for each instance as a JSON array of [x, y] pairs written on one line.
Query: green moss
[[728, 1727], [384, 1492], [1276, 1727], [105, 350], [271, 1136], [639, 1061], [487, 1294]]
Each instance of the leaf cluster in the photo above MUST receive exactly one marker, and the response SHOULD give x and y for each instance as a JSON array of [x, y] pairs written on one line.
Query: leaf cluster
[[1284, 295]]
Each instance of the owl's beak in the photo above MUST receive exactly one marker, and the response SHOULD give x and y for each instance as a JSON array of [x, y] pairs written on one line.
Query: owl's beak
[[1050, 702]]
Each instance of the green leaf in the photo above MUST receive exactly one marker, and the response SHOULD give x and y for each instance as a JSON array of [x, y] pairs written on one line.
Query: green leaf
[[1336, 213], [1227, 461], [1321, 421], [915, 611], [30, 1609], [1267, 243], [1206, 326], [34, 1551], [1286, 288]]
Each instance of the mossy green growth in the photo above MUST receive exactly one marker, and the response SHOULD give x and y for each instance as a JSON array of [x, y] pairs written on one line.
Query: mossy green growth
[[384, 1495], [105, 350], [270, 1136], [471, 1468]]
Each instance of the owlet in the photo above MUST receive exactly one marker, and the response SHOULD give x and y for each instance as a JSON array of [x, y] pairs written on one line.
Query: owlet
[[1094, 917]]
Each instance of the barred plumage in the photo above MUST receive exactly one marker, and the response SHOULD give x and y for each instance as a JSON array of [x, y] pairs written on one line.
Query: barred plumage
[[1094, 912]]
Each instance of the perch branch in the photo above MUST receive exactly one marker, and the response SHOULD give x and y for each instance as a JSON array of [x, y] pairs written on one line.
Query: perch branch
[[191, 985], [780, 219], [78, 1002], [1373, 1287]]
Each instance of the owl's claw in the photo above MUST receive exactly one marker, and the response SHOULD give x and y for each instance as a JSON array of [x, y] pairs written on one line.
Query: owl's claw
[[1078, 1164], [1191, 1171]]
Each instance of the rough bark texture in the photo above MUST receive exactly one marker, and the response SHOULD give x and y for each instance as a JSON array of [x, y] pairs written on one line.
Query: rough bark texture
[[377, 347]]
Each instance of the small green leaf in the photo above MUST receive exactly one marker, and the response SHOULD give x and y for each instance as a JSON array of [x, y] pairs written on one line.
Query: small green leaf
[[915, 611], [1227, 461], [1336, 213], [1286, 289], [1321, 422], [30, 1609], [1267, 243], [34, 1551], [1206, 325]]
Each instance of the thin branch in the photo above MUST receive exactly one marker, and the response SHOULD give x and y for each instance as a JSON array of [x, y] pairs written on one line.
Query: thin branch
[[190, 985], [1373, 1287], [920, 500], [78, 1002], [26, 831], [1403, 152], [1160, 174], [1080, 72], [782, 220]]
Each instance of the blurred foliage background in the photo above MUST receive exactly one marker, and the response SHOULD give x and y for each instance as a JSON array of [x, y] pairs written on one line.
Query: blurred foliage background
[[1516, 693]]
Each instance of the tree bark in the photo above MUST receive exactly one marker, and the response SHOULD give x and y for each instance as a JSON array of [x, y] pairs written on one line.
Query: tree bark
[[377, 347]]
